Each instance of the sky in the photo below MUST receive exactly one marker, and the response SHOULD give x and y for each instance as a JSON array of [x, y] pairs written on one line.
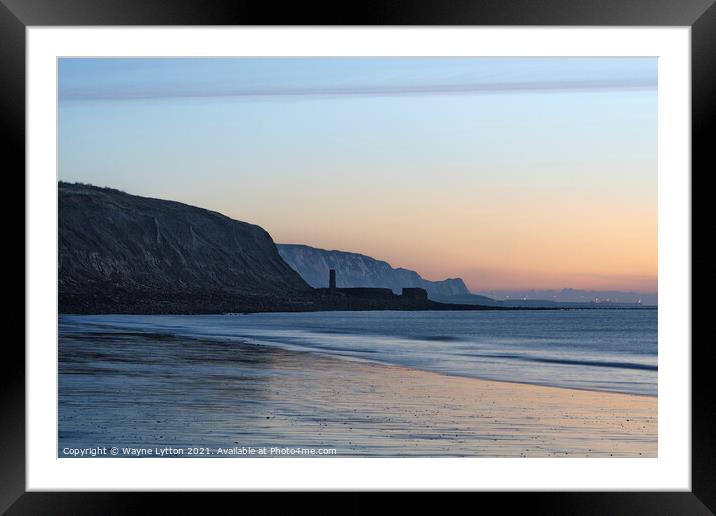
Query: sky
[[511, 173]]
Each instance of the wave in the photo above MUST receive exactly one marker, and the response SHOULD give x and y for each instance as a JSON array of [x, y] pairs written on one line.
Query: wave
[[595, 363], [567, 361], [440, 338]]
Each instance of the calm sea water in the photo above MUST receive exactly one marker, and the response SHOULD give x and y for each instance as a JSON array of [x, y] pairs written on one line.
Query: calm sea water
[[606, 350]]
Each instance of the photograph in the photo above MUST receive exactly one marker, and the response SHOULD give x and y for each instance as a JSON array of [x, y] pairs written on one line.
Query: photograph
[[346, 256]]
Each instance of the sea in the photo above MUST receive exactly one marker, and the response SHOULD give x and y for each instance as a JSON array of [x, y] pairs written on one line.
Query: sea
[[595, 349]]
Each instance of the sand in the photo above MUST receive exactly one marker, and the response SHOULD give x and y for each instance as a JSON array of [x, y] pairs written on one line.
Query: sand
[[134, 391], [409, 412]]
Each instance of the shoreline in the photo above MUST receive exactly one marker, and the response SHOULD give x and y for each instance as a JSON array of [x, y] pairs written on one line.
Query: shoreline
[[241, 340], [418, 370], [254, 395]]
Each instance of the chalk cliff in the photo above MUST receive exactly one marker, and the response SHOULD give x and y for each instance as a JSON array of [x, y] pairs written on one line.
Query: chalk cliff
[[359, 270]]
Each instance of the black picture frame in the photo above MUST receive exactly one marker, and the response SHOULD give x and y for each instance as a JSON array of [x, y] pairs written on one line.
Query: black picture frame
[[16, 15]]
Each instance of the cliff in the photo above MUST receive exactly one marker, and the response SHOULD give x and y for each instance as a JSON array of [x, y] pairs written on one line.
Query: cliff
[[358, 270], [131, 254]]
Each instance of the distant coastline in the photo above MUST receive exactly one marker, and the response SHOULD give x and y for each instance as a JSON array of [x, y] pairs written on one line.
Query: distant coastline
[[121, 253]]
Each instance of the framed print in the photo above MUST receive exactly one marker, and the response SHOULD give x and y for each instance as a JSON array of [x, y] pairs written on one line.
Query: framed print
[[426, 248]]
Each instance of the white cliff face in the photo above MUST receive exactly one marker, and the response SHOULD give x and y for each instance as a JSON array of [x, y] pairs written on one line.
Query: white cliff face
[[358, 270]]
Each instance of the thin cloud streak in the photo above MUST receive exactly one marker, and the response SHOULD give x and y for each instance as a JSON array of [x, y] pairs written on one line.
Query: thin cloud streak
[[366, 91]]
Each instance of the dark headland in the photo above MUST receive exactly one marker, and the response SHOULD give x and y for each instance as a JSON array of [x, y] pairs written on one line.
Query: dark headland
[[122, 253]]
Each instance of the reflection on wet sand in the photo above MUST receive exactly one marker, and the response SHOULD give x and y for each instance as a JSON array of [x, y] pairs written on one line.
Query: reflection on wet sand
[[138, 389]]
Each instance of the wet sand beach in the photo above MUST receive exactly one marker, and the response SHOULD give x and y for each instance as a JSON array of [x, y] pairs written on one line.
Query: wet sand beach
[[153, 390]]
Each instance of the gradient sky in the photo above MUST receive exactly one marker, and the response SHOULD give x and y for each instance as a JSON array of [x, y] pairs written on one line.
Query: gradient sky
[[510, 173]]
